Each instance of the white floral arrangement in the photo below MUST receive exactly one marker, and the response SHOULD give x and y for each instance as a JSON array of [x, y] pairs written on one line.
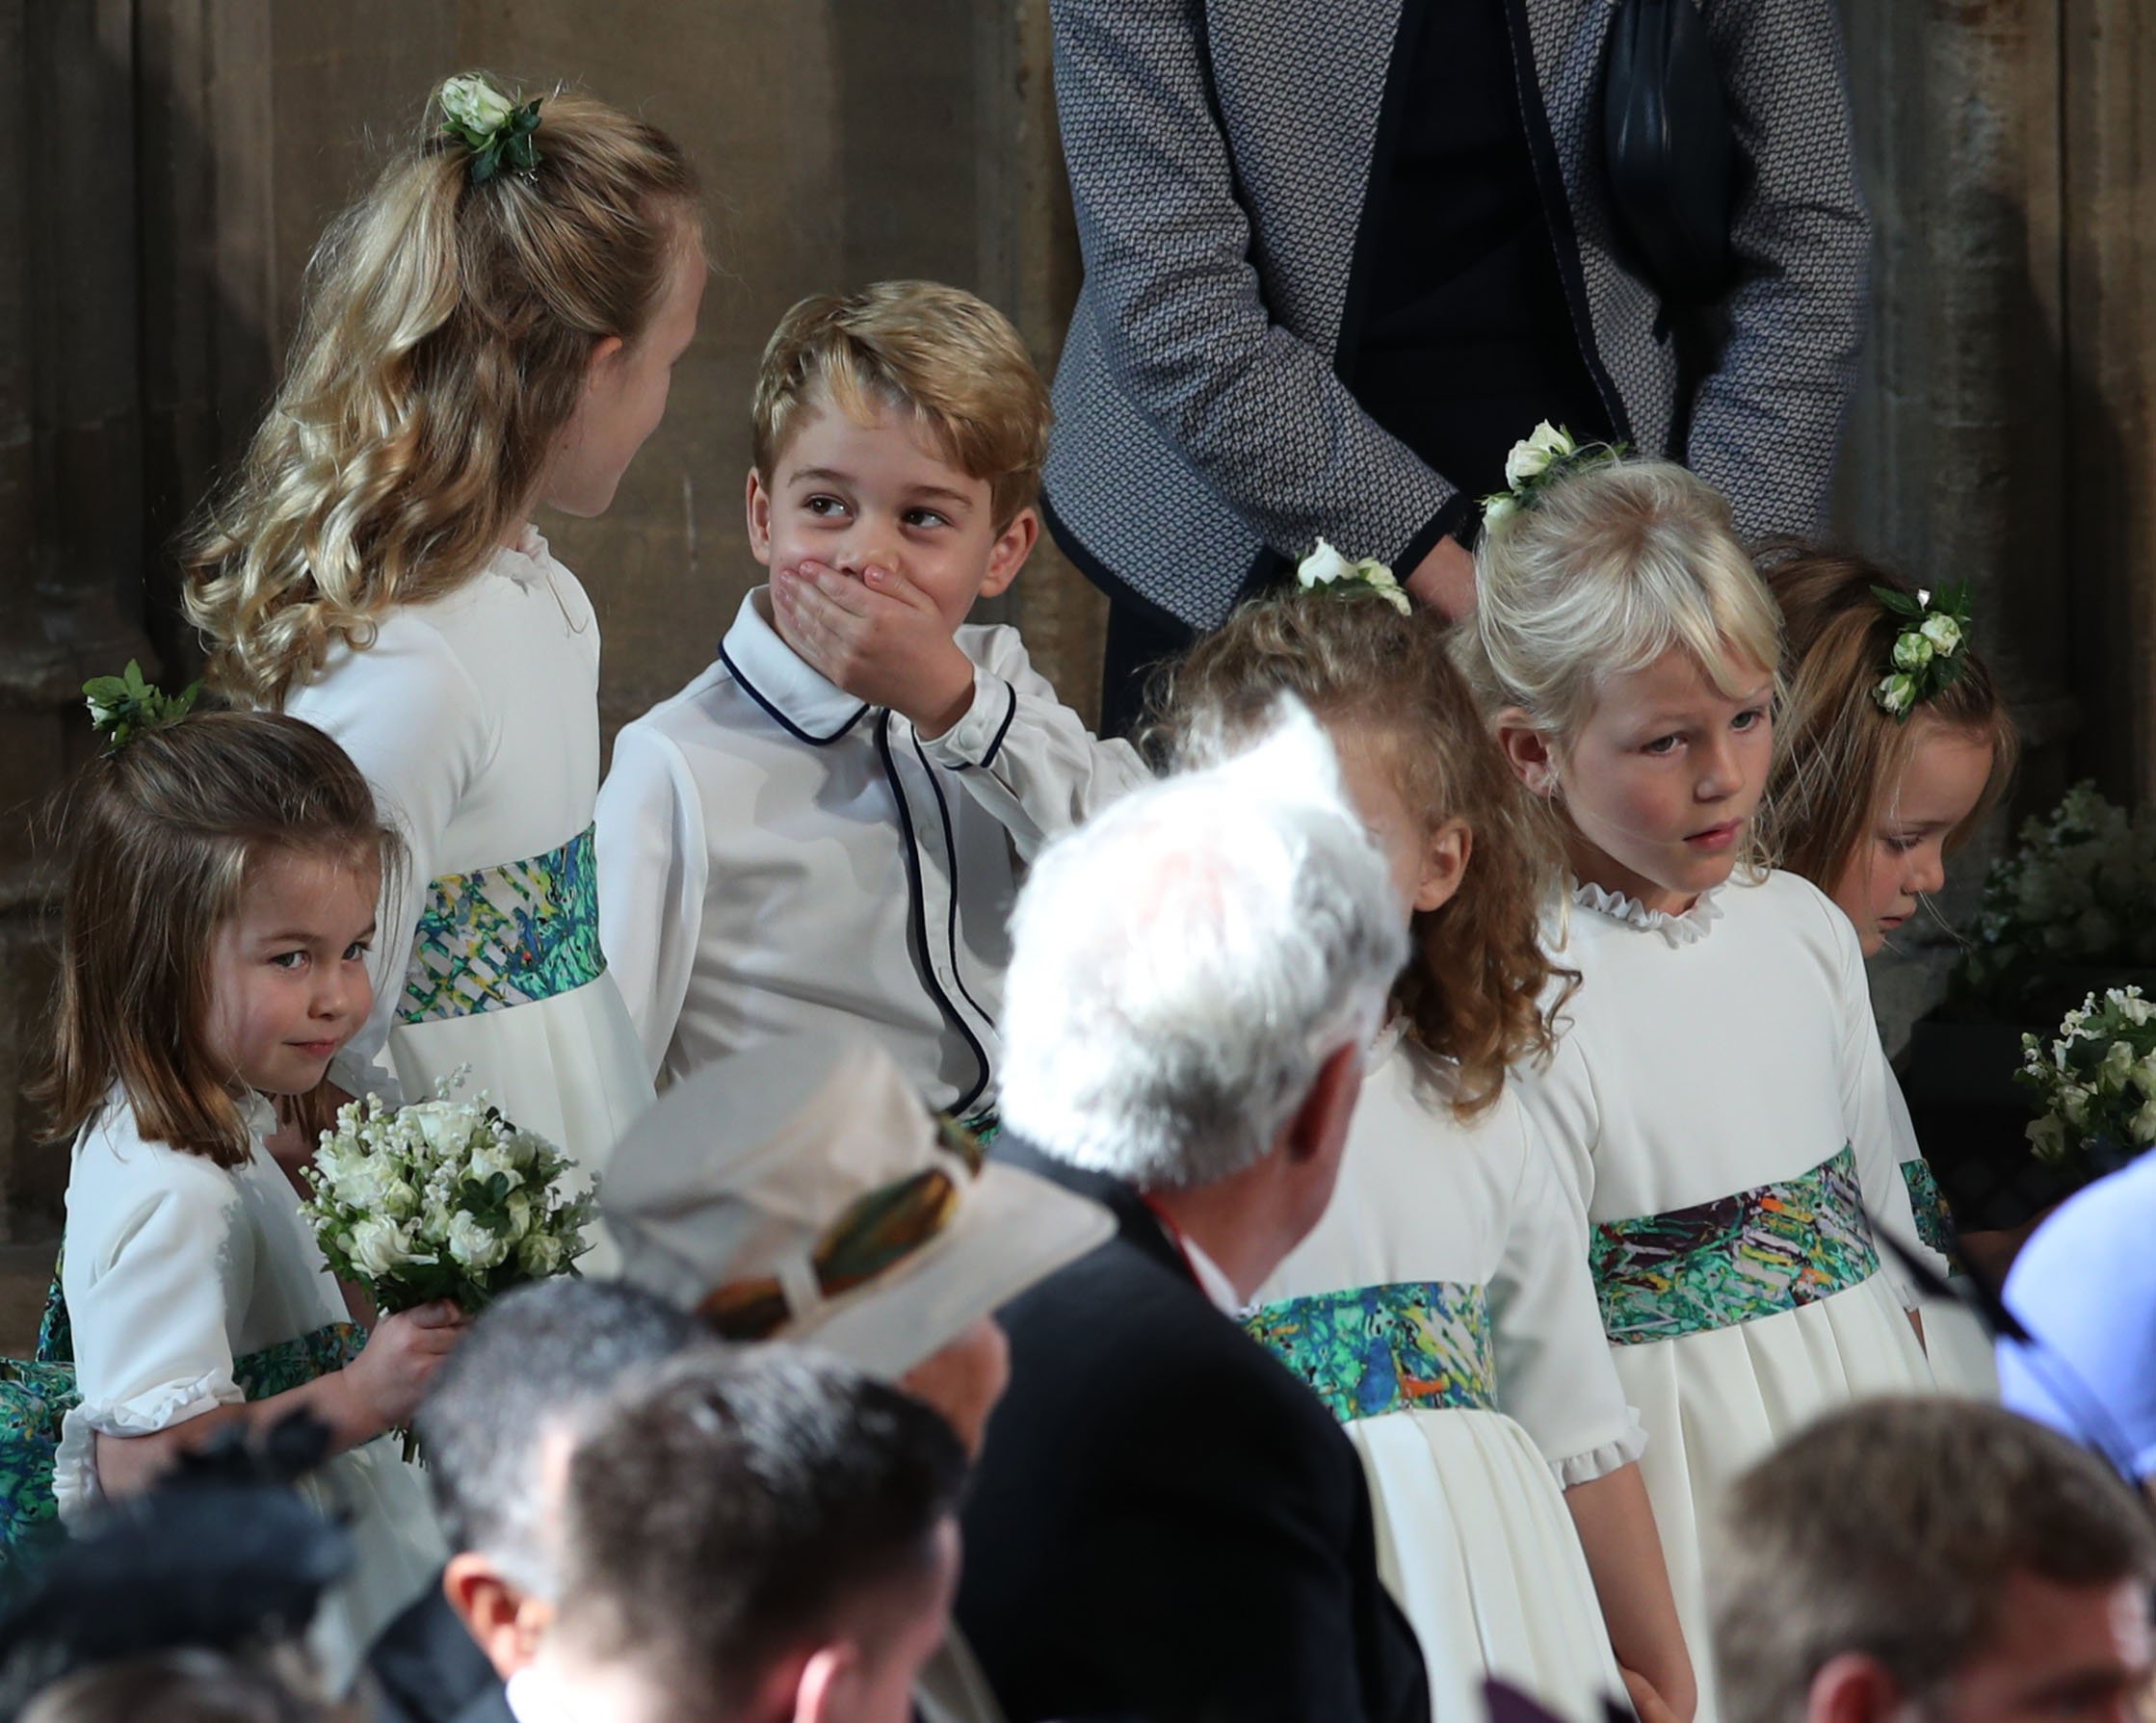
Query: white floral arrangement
[[2095, 1080], [442, 1199], [1325, 568], [2075, 892]]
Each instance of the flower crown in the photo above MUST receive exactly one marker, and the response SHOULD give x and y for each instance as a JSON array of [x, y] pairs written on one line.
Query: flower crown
[[1537, 459], [1327, 567], [123, 707], [494, 128], [1928, 656]]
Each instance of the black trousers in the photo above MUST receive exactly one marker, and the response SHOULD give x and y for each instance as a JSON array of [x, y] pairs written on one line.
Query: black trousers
[[1139, 638]]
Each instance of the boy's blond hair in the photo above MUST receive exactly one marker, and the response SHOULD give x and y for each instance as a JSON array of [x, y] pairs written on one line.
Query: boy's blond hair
[[949, 359]]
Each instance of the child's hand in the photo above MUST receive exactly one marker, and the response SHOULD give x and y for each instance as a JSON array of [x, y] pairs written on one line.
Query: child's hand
[[390, 1375], [879, 638]]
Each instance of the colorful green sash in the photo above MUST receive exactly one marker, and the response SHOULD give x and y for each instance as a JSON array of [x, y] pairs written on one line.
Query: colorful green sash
[[1735, 1258], [37, 1395], [1934, 1221], [1413, 1345], [506, 936]]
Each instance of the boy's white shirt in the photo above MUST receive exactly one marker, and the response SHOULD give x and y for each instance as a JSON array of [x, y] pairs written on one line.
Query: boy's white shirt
[[755, 875]]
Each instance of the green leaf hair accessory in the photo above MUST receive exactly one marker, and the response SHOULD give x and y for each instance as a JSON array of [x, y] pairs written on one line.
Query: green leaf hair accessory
[[123, 707], [1547, 451], [1927, 657], [494, 128], [1327, 567]]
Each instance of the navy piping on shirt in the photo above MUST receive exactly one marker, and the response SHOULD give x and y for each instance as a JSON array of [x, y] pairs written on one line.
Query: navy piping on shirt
[[1010, 713], [917, 916], [777, 717], [951, 858]]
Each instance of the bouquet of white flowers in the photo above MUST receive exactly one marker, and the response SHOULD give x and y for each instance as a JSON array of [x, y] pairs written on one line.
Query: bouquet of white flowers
[[443, 1199], [2097, 1080], [2074, 895]]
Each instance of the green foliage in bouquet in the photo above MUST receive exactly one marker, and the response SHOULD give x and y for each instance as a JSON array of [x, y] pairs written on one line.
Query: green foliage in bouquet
[[2095, 1081], [442, 1199], [2075, 894]]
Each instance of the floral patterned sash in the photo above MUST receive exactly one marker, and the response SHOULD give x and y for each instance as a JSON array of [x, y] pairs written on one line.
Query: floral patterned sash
[[506, 936], [37, 1393], [1735, 1258], [1413, 1345], [1934, 1221]]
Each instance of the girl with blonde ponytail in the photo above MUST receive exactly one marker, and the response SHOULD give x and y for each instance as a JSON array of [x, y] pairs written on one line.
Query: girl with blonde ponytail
[[490, 329]]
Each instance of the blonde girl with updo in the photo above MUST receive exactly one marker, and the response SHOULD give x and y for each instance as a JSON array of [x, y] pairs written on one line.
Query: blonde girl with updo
[[490, 330], [1718, 1098], [1871, 797], [1442, 1309]]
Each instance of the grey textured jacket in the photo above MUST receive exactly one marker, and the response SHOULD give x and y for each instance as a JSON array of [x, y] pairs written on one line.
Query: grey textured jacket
[[1219, 151]]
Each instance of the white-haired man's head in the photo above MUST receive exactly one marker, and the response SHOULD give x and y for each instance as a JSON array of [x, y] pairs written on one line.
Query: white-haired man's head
[[1185, 966]]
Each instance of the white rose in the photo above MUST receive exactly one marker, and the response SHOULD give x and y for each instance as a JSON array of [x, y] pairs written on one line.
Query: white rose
[[1911, 652], [519, 1210], [1323, 566], [444, 1126], [539, 1254], [2073, 1105], [473, 1246], [476, 104], [379, 1245], [490, 1158], [2117, 1068], [397, 1199], [1498, 509], [1944, 633], [2047, 1138], [2143, 1125], [1895, 693], [1379, 579]]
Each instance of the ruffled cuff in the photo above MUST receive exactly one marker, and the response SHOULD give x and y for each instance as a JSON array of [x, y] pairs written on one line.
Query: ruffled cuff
[[1600, 1462], [74, 1464]]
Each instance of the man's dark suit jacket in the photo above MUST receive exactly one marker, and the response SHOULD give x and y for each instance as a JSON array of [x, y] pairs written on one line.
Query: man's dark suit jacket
[[1166, 1523], [426, 1668]]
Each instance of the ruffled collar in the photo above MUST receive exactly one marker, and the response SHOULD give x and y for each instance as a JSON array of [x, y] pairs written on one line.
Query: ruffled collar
[[259, 1113], [527, 560], [1676, 930]]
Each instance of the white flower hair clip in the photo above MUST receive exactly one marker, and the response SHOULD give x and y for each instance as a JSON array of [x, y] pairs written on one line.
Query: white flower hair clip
[[1927, 658], [496, 130], [1545, 453], [1328, 568]]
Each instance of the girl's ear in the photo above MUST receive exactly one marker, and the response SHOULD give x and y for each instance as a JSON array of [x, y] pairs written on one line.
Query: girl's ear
[[1009, 554], [1444, 864], [601, 359], [1527, 750]]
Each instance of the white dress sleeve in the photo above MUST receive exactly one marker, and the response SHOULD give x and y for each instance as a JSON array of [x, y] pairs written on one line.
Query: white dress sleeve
[[155, 1261], [1024, 756], [1555, 1375], [1875, 1123], [654, 866], [410, 716], [1558, 1097]]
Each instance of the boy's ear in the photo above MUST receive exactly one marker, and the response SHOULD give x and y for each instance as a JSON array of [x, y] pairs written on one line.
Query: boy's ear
[[759, 518], [1013, 546], [1527, 750]]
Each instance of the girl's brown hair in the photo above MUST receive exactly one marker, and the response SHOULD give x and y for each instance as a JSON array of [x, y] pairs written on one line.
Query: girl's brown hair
[[442, 348], [160, 837], [1474, 990], [1838, 753]]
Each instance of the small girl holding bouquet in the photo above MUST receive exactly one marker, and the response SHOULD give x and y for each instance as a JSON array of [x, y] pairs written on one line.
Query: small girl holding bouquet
[[1895, 741], [224, 870], [1443, 1307], [491, 329], [1719, 1098]]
